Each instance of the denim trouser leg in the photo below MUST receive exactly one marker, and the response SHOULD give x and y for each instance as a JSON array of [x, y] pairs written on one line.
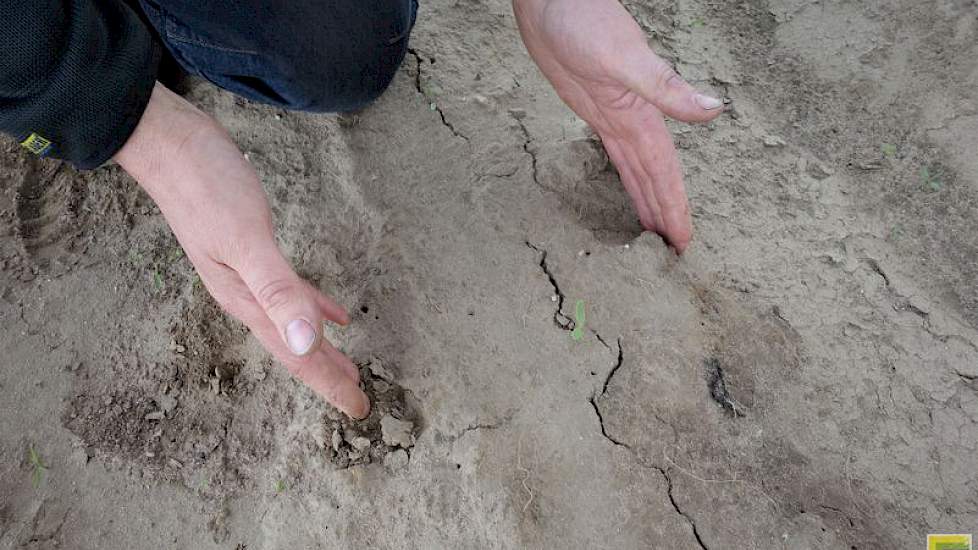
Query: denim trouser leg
[[313, 55]]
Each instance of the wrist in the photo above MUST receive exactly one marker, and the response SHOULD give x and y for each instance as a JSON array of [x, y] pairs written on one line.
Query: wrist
[[168, 123]]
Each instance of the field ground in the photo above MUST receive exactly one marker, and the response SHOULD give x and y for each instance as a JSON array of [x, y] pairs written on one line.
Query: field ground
[[806, 376]]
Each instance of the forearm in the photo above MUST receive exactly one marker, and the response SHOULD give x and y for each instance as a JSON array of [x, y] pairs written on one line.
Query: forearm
[[167, 125]]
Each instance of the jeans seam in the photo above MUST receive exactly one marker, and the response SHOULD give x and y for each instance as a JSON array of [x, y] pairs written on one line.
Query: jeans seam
[[200, 44], [167, 21]]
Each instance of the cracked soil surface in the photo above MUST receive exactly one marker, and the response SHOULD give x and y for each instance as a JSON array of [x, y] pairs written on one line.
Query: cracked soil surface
[[806, 376]]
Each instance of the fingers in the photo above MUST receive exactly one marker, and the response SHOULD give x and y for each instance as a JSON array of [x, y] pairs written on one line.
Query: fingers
[[650, 171], [295, 308], [327, 371], [657, 156], [647, 208], [657, 82]]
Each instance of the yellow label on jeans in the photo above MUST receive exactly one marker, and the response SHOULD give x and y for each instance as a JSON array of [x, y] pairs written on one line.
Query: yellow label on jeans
[[949, 542], [37, 144]]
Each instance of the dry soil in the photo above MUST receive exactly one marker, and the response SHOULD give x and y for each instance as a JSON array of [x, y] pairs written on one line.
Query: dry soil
[[806, 376]]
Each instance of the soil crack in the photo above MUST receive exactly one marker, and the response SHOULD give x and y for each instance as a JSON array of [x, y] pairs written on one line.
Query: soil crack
[[675, 505], [477, 427], [593, 400], [597, 411], [562, 321], [527, 140], [418, 85], [614, 369]]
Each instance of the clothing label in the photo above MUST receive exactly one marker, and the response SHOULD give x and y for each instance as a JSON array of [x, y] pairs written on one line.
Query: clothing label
[[37, 144]]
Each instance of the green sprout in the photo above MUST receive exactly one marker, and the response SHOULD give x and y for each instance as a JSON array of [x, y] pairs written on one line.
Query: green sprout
[[930, 180], [157, 280], [579, 319], [280, 486], [697, 23], [37, 465], [889, 150]]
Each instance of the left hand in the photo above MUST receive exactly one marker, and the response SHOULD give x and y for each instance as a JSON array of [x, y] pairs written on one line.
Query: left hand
[[597, 58], [215, 205]]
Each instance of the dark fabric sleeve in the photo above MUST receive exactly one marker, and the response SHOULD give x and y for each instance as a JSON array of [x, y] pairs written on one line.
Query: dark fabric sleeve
[[75, 76]]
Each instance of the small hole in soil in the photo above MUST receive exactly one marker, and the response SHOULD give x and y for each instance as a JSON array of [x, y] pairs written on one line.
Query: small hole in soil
[[458, 466], [364, 309]]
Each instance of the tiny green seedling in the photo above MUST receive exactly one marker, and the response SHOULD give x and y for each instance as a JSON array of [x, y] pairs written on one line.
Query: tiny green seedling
[[930, 180], [579, 319], [280, 486], [697, 23], [37, 467], [889, 150], [157, 280]]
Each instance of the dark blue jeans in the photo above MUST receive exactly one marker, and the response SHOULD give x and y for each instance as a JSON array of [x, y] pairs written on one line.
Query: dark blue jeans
[[310, 55]]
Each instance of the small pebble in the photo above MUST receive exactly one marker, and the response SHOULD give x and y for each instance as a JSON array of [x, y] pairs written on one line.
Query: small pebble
[[360, 443], [167, 403]]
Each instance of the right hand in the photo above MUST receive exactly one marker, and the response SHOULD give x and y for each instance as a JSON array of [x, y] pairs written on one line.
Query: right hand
[[214, 203], [599, 62]]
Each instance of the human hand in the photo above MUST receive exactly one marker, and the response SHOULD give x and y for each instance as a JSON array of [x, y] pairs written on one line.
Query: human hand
[[214, 203], [597, 58]]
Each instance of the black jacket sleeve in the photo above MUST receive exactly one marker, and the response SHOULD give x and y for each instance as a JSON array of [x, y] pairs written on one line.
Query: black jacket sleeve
[[75, 76]]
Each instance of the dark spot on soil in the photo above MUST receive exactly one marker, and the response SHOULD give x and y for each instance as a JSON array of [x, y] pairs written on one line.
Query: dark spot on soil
[[718, 388]]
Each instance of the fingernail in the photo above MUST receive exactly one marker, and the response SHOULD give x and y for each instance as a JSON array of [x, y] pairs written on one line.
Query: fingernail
[[707, 102], [300, 336], [364, 409], [366, 406]]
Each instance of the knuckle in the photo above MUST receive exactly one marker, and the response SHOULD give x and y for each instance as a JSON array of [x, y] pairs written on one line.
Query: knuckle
[[275, 294], [665, 76]]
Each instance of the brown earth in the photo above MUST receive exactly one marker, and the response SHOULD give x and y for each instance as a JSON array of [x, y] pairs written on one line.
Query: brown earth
[[806, 376]]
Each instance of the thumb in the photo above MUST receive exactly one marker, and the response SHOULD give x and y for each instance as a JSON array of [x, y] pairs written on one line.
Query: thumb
[[648, 75], [295, 308]]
